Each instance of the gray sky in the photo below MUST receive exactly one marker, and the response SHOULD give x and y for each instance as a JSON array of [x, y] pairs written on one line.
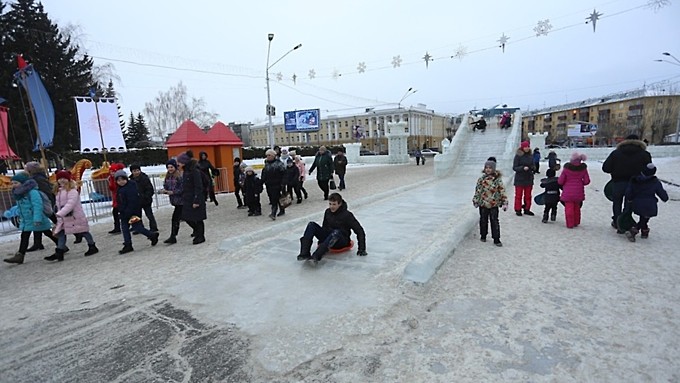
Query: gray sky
[[230, 38]]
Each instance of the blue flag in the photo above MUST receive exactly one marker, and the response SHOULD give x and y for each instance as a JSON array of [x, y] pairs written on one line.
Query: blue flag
[[42, 105]]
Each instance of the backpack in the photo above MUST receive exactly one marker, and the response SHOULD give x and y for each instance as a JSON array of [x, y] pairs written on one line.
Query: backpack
[[47, 207]]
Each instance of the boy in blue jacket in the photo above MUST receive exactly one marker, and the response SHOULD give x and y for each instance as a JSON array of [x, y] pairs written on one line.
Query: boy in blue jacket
[[130, 208]]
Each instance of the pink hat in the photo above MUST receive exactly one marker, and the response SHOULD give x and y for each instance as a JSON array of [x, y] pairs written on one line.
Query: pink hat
[[577, 158], [524, 144]]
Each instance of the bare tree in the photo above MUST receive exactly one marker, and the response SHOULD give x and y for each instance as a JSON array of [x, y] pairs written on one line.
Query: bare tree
[[170, 109], [101, 73]]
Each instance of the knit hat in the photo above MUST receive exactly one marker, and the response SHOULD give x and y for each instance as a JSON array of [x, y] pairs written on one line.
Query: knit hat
[[32, 167], [649, 170], [577, 158], [249, 169], [116, 167], [492, 158], [135, 167], [171, 162], [119, 174], [524, 144], [183, 158], [21, 177], [64, 174], [490, 164]]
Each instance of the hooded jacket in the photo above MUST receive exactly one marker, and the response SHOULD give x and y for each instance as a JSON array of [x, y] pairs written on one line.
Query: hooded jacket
[[30, 206], [573, 180], [490, 191], [522, 159], [70, 215], [627, 160], [642, 192], [345, 221], [324, 165]]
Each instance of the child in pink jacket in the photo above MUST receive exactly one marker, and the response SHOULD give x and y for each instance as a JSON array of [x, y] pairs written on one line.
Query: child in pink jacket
[[573, 180]]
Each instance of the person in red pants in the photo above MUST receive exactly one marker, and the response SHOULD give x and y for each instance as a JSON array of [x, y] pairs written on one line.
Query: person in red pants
[[573, 180], [523, 165]]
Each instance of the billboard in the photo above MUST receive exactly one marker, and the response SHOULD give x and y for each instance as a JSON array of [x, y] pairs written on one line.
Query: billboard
[[582, 129], [302, 120]]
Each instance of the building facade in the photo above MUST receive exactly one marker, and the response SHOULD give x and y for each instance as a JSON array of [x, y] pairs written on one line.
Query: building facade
[[651, 114], [426, 129]]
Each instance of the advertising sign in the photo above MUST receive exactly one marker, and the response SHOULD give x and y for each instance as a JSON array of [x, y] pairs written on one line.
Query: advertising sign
[[582, 129], [302, 120]]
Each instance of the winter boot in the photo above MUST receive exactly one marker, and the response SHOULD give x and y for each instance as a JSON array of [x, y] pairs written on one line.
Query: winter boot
[[18, 258], [518, 212], [281, 212], [57, 256], [154, 238], [644, 233], [305, 248], [528, 212], [126, 249], [299, 200], [35, 247], [79, 238], [545, 217], [497, 242], [630, 234], [173, 234], [91, 249], [553, 216], [319, 252]]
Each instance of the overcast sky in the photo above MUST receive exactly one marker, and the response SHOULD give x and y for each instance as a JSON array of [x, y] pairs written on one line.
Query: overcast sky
[[229, 38]]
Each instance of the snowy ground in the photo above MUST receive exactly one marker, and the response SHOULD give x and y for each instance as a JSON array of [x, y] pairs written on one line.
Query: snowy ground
[[552, 305]]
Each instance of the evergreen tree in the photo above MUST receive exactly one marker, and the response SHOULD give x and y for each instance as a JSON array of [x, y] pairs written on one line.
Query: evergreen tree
[[26, 28], [111, 93], [137, 132]]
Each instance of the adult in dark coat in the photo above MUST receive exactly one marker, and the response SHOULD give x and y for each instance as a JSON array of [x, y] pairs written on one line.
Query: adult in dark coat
[[338, 224], [642, 192], [340, 166], [193, 197], [129, 205], [523, 165], [209, 171], [146, 192], [323, 162], [252, 188], [625, 162], [273, 177]]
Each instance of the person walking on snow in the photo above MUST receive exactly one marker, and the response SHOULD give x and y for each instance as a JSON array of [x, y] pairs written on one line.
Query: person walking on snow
[[552, 195], [303, 175], [537, 161], [172, 187], [324, 162], [489, 196], [273, 177], [573, 180], [130, 208], [238, 174], [523, 165], [340, 166], [209, 172], [146, 192], [193, 197], [334, 232]]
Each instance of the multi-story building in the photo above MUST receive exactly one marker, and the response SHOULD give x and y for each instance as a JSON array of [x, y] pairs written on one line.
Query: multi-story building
[[426, 129], [652, 114], [242, 130]]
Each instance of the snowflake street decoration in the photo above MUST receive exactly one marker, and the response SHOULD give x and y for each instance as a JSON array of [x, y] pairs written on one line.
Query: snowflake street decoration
[[361, 68], [312, 74], [294, 79], [657, 4], [396, 61], [336, 74], [427, 59], [279, 76], [542, 27], [593, 18], [503, 40], [460, 52]]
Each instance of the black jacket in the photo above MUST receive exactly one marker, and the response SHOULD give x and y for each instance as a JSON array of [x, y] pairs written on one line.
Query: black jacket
[[627, 160], [340, 165], [344, 221], [523, 177], [252, 188], [192, 193], [292, 175], [552, 190], [129, 203], [207, 168], [145, 189], [273, 173]]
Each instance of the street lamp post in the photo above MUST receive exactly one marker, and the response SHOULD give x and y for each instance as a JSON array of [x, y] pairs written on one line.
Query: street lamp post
[[270, 109], [677, 62], [409, 92]]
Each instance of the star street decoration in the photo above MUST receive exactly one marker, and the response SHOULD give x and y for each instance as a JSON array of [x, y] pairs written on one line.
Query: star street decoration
[[427, 59], [460, 53], [542, 27], [593, 18], [279, 76], [294, 79], [503, 40], [361, 68], [312, 74], [336, 74], [657, 4], [396, 61]]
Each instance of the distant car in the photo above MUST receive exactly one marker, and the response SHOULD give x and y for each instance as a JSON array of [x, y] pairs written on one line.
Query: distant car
[[555, 146], [367, 153], [428, 152]]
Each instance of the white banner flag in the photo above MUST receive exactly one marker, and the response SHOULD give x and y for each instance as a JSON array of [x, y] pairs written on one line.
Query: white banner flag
[[91, 136]]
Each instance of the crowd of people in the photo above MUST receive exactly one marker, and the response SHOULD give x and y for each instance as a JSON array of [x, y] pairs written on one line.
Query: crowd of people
[[633, 189], [55, 211]]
